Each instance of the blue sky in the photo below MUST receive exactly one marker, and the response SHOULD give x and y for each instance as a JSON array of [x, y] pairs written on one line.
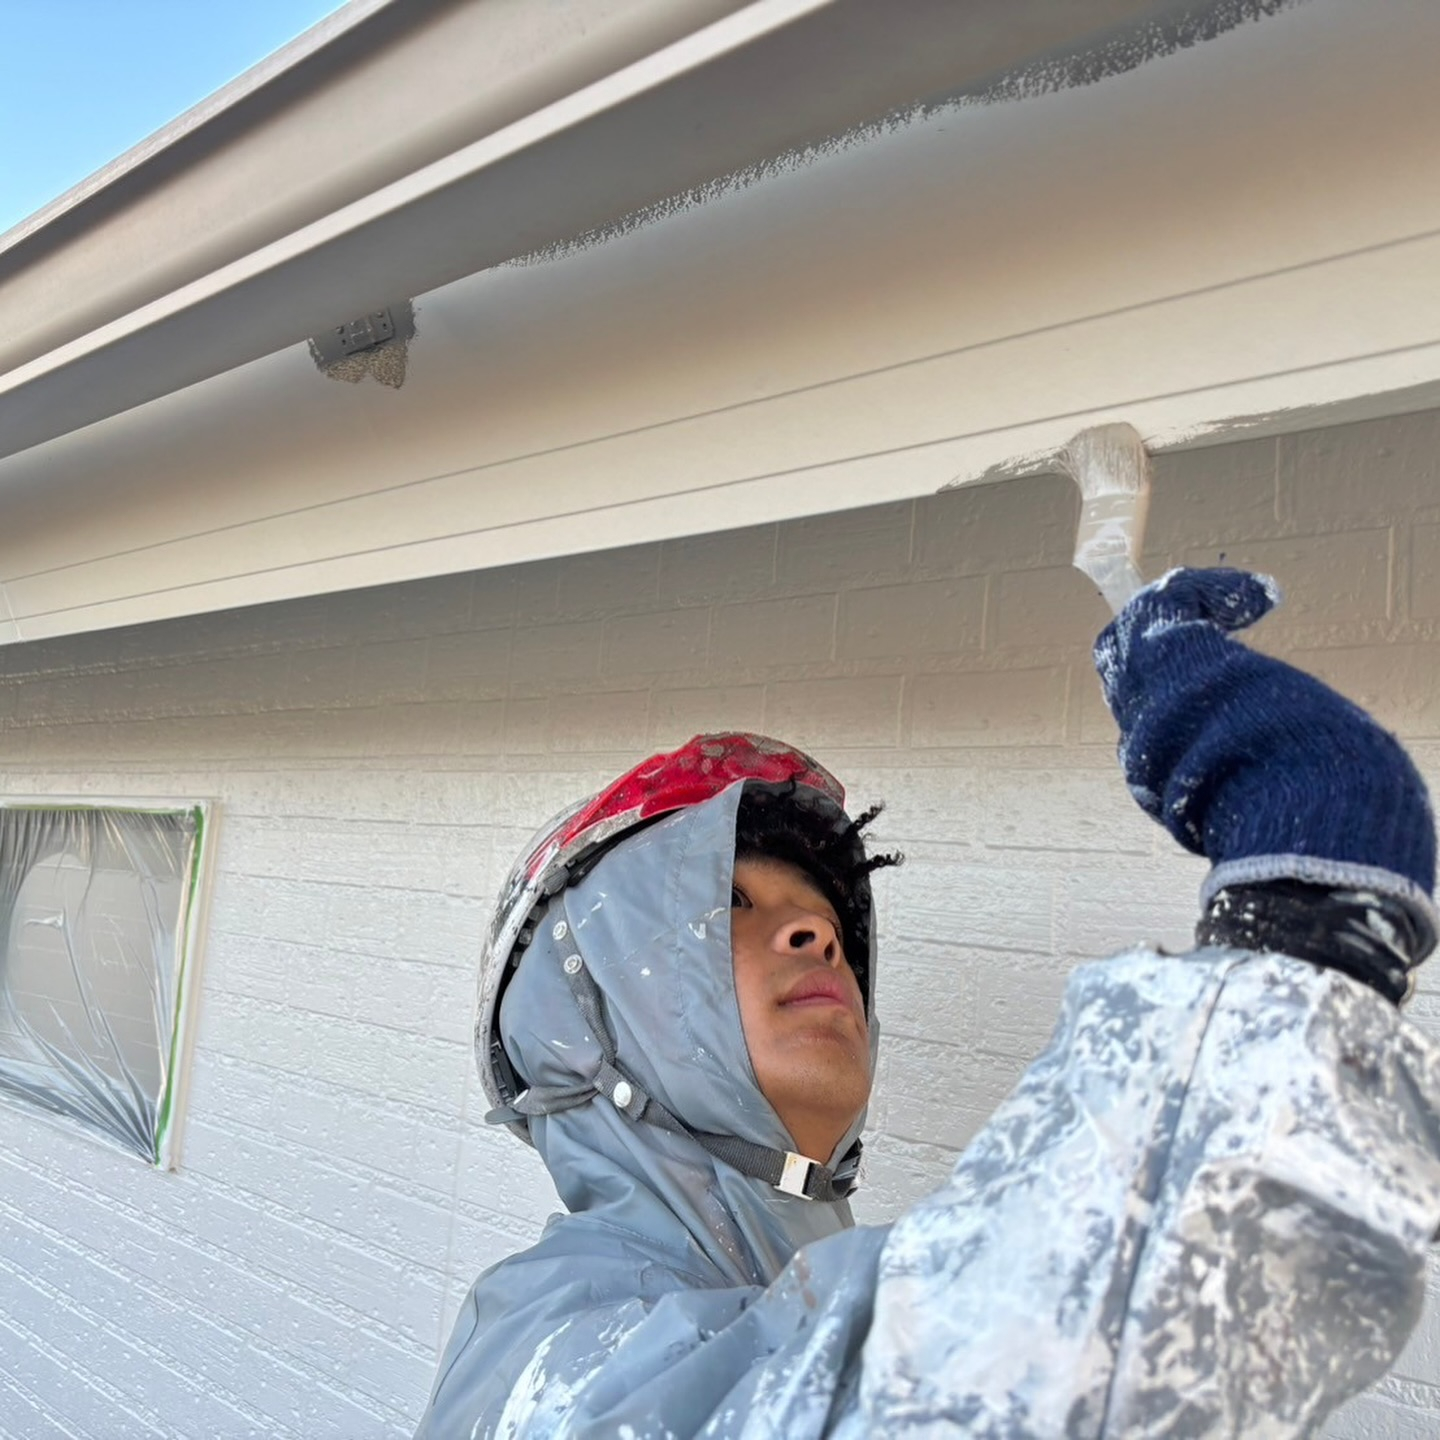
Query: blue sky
[[86, 79]]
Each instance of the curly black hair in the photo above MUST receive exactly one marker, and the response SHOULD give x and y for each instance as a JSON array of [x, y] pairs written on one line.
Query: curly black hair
[[781, 822]]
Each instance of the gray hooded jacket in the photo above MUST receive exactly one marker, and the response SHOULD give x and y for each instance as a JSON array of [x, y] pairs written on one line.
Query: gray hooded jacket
[[1204, 1211]]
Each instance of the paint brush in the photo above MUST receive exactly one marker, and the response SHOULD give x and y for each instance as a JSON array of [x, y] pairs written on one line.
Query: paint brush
[[1112, 470]]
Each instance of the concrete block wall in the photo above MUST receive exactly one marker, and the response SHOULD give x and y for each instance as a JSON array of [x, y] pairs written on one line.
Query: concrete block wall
[[379, 757]]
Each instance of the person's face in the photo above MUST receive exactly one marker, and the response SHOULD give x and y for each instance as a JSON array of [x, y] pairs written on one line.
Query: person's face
[[800, 1004]]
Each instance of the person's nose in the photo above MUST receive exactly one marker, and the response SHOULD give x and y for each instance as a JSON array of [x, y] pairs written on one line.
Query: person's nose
[[811, 935]]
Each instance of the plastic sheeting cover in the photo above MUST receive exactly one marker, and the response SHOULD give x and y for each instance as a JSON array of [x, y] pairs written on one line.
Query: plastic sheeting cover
[[98, 906]]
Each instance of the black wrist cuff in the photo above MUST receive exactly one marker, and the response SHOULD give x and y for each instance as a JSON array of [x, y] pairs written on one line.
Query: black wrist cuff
[[1376, 939]]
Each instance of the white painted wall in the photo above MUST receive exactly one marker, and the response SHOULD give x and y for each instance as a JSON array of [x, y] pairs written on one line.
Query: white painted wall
[[378, 757]]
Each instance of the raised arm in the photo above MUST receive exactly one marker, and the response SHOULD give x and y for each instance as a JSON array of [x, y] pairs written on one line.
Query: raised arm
[[1206, 1208]]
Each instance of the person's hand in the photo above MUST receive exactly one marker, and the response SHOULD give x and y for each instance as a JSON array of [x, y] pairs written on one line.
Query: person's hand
[[1250, 762]]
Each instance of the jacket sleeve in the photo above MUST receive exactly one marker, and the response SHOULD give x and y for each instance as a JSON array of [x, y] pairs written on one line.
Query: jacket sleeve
[[1205, 1211]]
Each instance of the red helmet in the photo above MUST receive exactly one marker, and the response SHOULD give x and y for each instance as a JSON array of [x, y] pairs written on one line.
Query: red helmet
[[567, 844]]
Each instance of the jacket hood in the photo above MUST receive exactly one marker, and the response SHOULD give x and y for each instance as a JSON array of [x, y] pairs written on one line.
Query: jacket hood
[[651, 922]]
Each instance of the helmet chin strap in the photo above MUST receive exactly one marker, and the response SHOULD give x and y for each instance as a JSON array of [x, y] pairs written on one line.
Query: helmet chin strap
[[784, 1169]]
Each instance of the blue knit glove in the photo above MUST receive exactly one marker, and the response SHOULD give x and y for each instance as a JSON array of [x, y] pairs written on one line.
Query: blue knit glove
[[1254, 764]]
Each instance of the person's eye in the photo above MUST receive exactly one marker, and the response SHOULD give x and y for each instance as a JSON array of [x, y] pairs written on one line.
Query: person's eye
[[739, 900]]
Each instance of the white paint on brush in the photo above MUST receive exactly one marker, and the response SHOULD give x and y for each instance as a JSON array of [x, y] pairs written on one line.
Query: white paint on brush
[[1109, 464]]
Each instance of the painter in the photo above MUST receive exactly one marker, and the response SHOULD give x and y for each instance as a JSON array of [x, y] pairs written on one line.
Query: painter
[[1205, 1209]]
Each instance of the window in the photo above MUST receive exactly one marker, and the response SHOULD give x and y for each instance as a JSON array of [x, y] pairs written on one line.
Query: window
[[98, 913]]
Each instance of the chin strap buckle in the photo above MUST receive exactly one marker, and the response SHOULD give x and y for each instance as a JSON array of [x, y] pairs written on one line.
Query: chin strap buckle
[[795, 1174]]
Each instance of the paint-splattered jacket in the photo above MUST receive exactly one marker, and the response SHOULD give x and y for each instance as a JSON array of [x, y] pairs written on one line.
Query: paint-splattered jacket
[[1204, 1211]]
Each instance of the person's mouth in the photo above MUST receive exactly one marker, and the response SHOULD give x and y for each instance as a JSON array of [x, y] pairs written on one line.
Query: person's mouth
[[819, 988]]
